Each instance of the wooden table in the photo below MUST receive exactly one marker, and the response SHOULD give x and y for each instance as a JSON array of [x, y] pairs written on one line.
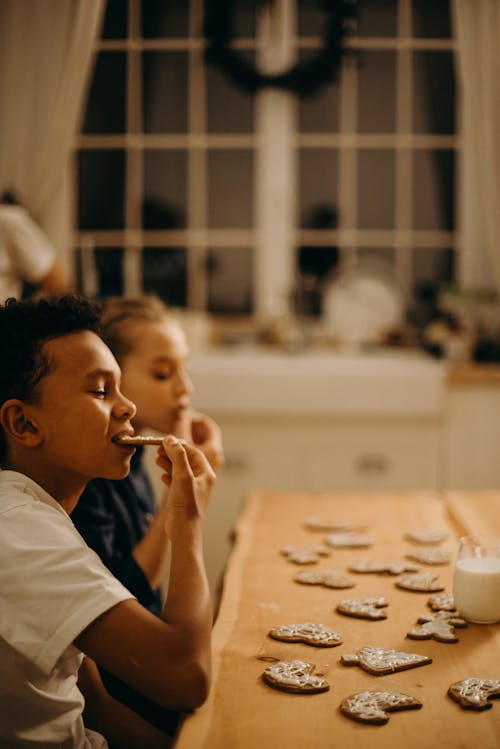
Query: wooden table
[[242, 712]]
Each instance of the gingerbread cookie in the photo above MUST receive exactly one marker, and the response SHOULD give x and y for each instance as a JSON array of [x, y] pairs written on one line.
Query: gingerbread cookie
[[325, 526], [430, 556], [420, 582], [430, 536], [373, 707], [311, 634], [363, 608], [331, 579], [296, 677], [438, 626], [349, 540], [304, 554], [475, 694], [382, 568], [442, 602], [380, 661]]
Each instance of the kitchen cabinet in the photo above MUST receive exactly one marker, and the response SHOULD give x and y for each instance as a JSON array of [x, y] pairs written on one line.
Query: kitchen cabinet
[[471, 426]]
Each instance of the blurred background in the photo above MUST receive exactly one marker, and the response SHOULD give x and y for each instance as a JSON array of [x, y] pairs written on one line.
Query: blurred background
[[313, 186]]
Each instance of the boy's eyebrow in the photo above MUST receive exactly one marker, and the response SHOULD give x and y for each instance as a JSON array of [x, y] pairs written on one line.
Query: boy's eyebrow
[[99, 372]]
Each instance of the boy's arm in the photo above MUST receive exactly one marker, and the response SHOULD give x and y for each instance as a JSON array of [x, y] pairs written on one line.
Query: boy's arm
[[119, 725], [167, 659]]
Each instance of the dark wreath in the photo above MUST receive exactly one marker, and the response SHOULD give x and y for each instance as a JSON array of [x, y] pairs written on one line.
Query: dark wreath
[[304, 78]]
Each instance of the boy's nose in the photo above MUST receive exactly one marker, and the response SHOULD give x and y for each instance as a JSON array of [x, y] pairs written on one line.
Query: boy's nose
[[126, 408]]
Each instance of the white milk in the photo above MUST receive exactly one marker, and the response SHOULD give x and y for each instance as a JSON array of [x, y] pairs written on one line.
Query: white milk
[[476, 589]]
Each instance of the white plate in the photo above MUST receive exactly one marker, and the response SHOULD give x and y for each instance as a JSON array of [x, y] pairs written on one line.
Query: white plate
[[363, 304]]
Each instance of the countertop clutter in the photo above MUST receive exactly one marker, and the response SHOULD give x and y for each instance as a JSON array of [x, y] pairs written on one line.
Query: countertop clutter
[[260, 593]]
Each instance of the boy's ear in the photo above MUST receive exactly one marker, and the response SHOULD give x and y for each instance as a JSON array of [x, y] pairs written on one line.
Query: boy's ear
[[18, 425]]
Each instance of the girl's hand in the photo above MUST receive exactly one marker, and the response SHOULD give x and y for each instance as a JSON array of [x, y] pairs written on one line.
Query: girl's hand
[[206, 434]]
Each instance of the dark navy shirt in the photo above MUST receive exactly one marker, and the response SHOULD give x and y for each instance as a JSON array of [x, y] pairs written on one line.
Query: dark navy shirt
[[112, 517]]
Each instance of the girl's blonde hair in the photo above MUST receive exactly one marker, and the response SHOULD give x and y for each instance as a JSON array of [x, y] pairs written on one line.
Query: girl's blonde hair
[[121, 315]]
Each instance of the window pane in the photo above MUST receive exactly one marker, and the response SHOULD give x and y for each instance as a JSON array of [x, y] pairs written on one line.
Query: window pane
[[433, 190], [101, 180], [311, 18], [229, 108], [165, 198], [377, 17], [109, 270], [431, 18], [376, 189], [165, 274], [165, 87], [115, 20], [317, 182], [106, 104], [434, 93], [376, 103], [431, 268], [243, 15], [230, 189], [161, 19], [230, 280], [320, 113], [381, 257]]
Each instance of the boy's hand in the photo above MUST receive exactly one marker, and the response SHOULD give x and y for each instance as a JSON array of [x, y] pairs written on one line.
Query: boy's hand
[[189, 476]]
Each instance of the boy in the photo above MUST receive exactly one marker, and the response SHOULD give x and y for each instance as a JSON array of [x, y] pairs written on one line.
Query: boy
[[61, 411]]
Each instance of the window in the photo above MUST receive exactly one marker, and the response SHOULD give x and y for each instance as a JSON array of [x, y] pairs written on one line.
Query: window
[[219, 200]]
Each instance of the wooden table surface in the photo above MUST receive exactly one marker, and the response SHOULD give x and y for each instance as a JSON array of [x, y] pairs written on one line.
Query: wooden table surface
[[242, 712]]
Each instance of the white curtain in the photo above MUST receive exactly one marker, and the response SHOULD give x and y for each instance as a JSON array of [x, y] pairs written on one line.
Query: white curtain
[[477, 29], [46, 55]]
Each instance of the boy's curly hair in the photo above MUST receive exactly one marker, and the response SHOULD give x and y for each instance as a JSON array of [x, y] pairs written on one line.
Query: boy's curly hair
[[24, 327]]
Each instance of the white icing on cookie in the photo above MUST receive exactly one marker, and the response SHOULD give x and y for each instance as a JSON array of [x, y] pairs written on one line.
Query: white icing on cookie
[[331, 579], [430, 556], [364, 608], [294, 676], [308, 554], [427, 536], [421, 582], [377, 567], [438, 626], [309, 633], [372, 707], [442, 602], [474, 693], [383, 661], [349, 540]]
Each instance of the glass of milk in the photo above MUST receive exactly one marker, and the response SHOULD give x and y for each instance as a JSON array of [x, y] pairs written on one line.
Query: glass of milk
[[476, 582]]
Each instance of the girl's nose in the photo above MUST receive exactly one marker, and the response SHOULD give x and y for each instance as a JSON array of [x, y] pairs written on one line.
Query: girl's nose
[[184, 383]]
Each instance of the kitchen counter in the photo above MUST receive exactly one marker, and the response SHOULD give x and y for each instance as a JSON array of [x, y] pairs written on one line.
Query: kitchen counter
[[242, 712]]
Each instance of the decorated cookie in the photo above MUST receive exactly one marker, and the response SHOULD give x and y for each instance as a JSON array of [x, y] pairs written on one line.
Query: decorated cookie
[[475, 694], [382, 568], [373, 707], [304, 554], [363, 608], [326, 526], [295, 676], [420, 582], [430, 556], [349, 540], [430, 536], [380, 661], [331, 579], [440, 627], [442, 602], [310, 634]]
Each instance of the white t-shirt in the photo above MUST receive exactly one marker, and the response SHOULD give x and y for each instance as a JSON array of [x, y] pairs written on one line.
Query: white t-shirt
[[52, 585], [26, 253]]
